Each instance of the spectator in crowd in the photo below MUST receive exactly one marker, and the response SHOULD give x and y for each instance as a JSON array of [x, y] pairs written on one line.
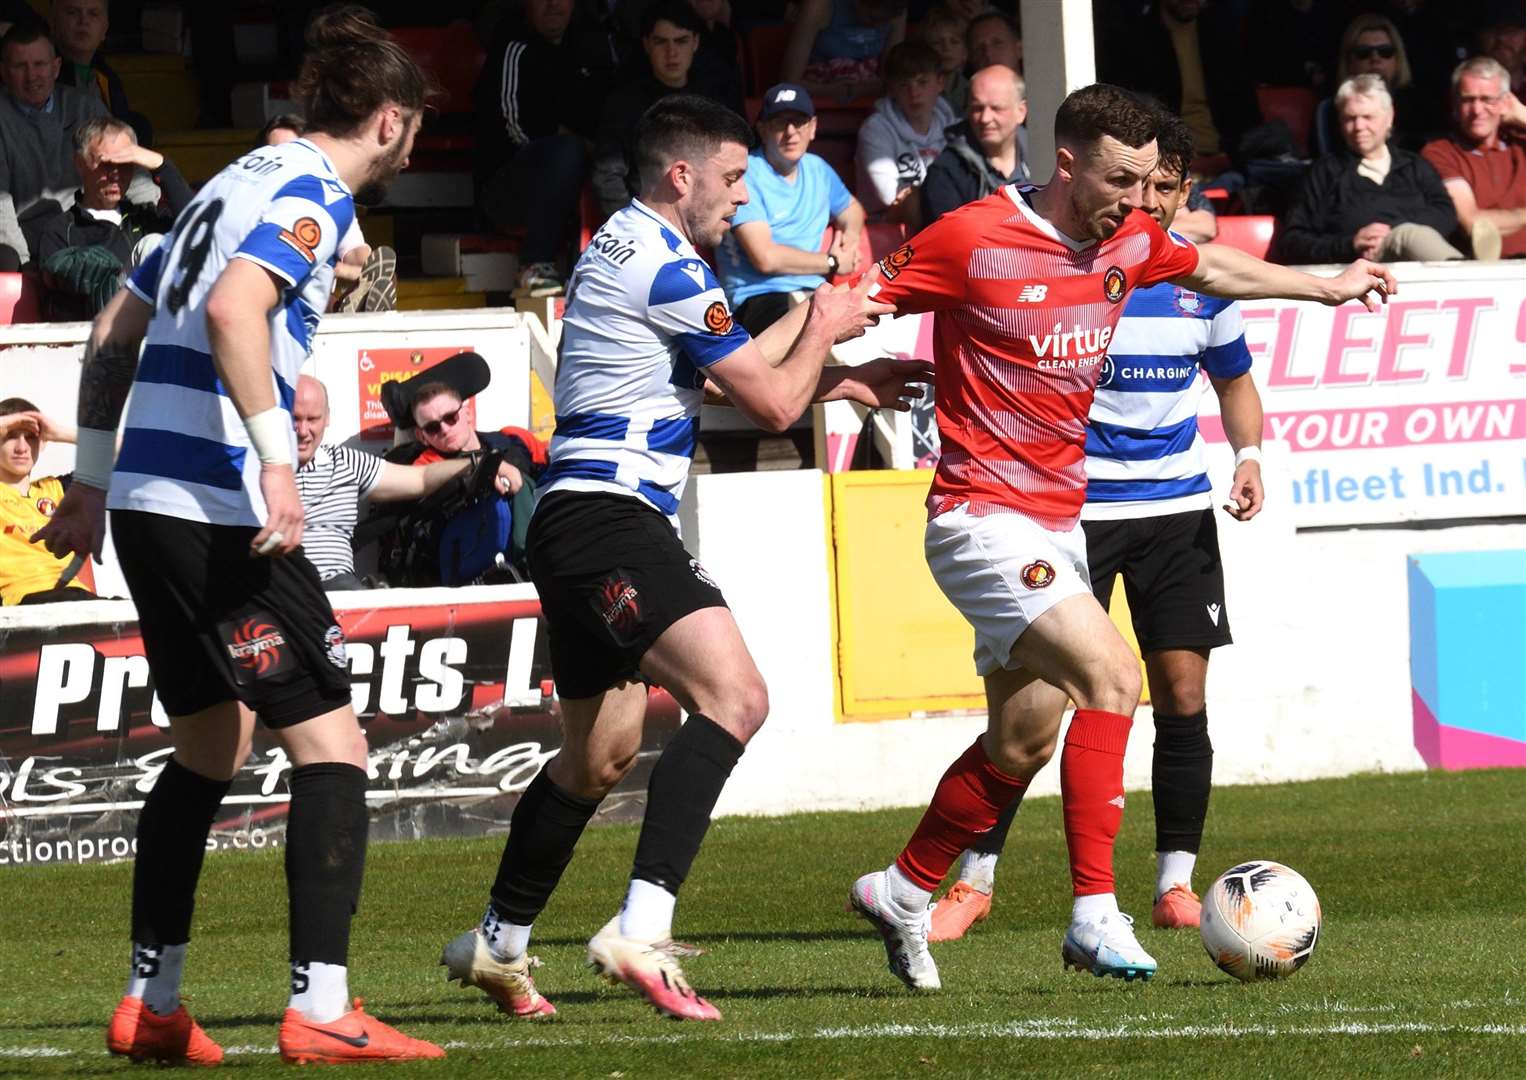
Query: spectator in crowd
[[439, 404], [993, 38], [981, 152], [903, 135], [84, 249], [1371, 45], [836, 47], [943, 33], [79, 28], [1188, 55], [1437, 36], [1294, 42], [1483, 162], [539, 100], [37, 118], [28, 573], [717, 63], [333, 479], [670, 32], [1505, 40], [772, 252], [365, 278], [1369, 200]]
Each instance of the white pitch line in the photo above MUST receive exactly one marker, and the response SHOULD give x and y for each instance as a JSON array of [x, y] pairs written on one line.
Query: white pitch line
[[1016, 1029]]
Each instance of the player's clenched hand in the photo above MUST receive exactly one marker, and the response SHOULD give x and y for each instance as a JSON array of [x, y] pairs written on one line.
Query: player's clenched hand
[[79, 524], [846, 313], [1370, 282], [283, 513], [1246, 493], [887, 383], [508, 481]]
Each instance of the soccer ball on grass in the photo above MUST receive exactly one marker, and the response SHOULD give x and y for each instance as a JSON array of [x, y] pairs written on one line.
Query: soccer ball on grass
[[1260, 921]]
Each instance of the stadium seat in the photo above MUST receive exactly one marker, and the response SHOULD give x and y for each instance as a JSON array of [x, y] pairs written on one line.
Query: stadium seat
[[752, 108], [20, 299], [762, 49], [1250, 233], [451, 56], [1294, 106], [840, 154]]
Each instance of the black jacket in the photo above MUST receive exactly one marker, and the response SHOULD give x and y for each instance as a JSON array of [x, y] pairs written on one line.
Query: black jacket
[[1336, 201], [961, 174], [1135, 52], [75, 227]]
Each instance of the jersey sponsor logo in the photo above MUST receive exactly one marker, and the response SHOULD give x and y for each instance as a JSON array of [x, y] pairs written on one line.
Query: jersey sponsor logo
[[46, 506], [256, 646], [303, 237], [1108, 370], [895, 262], [1114, 285], [1038, 574], [333, 646], [613, 248], [718, 319], [1033, 294], [1076, 347], [1213, 613]]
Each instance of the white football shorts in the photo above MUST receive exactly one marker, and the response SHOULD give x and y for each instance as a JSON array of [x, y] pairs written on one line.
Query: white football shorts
[[1002, 571]]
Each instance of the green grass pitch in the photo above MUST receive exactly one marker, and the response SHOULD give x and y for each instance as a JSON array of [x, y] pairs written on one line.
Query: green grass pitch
[[1419, 972]]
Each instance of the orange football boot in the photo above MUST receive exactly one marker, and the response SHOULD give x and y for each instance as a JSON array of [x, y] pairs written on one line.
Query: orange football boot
[[136, 1031], [960, 909], [1178, 909], [354, 1037]]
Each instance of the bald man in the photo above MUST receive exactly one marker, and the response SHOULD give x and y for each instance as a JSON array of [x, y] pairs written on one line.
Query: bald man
[[333, 479], [982, 152]]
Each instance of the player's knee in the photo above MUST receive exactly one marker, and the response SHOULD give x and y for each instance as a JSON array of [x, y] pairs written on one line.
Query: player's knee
[[1023, 755], [606, 773], [1182, 696], [742, 709], [1114, 686]]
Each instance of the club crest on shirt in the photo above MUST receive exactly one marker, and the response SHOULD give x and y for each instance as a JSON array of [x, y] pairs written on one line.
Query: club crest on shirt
[[46, 506], [1038, 574], [1188, 302], [895, 262], [1114, 284], [303, 238], [718, 319]]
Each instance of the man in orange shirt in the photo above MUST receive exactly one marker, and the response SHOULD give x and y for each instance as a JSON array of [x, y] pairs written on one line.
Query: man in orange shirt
[[1483, 162], [29, 574]]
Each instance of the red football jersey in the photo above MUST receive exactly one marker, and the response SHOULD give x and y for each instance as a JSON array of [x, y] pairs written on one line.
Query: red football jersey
[[1022, 320]]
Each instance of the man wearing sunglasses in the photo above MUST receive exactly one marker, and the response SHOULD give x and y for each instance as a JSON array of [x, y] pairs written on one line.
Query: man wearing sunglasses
[[1483, 162]]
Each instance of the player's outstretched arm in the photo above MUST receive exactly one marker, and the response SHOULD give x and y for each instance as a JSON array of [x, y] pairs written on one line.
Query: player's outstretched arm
[[416, 481], [1231, 273], [110, 362], [774, 395], [238, 329], [1241, 413], [882, 383]]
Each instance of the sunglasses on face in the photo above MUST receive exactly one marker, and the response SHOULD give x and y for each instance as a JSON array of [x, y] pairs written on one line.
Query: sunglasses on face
[[434, 427], [1367, 52]]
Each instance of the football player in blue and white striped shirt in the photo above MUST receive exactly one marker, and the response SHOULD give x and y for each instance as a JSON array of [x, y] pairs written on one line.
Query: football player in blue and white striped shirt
[[207, 523], [1149, 516]]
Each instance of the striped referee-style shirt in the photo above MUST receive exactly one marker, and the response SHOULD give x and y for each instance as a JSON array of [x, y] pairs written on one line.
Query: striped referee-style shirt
[[331, 486]]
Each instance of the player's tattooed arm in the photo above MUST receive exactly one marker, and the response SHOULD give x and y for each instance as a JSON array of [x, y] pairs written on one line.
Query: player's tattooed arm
[[104, 383]]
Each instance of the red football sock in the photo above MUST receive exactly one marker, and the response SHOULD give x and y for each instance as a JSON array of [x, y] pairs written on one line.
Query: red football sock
[[1091, 789], [968, 800]]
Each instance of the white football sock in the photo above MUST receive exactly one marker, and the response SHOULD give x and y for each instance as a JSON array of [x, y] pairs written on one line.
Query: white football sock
[[505, 940], [1093, 908], [320, 992], [907, 894], [977, 869], [648, 912], [155, 976], [1173, 868]]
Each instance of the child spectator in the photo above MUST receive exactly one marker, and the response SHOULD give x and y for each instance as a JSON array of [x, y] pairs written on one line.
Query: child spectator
[[943, 32], [904, 134]]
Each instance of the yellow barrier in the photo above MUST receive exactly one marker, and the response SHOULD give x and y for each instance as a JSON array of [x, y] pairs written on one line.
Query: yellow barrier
[[901, 646]]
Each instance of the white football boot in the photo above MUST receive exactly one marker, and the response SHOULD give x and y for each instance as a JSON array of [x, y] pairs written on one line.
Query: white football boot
[[1107, 946], [905, 934]]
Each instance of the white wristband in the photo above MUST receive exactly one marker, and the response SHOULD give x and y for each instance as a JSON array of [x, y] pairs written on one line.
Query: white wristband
[[1247, 453], [270, 432], [95, 453]]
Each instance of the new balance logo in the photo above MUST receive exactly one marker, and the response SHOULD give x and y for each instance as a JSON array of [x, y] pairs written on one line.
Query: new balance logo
[[1033, 294], [1116, 800], [1213, 613]]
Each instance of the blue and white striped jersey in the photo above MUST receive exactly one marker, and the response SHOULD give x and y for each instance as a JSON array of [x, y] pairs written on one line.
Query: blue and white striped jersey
[[1144, 455], [185, 452], [645, 316]]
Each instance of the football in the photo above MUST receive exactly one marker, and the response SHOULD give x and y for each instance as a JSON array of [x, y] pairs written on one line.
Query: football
[[1260, 921]]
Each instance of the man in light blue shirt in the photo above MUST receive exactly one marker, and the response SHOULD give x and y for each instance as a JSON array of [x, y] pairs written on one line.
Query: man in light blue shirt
[[774, 250]]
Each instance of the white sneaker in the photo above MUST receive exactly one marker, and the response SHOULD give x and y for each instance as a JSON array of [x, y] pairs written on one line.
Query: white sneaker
[[905, 935], [469, 961], [650, 969], [1107, 947]]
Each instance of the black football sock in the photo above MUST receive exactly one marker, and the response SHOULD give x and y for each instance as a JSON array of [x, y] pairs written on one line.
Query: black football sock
[[1181, 779], [172, 840], [685, 785], [543, 831], [326, 831]]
